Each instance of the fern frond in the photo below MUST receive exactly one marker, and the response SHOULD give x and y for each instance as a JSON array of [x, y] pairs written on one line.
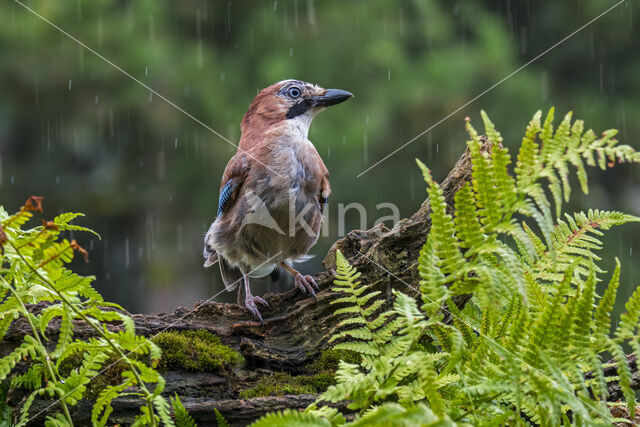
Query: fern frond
[[629, 319], [102, 408], [220, 419], [63, 220], [442, 233], [24, 410], [626, 379], [433, 284], [74, 384], [162, 410], [32, 379], [28, 348], [602, 316]]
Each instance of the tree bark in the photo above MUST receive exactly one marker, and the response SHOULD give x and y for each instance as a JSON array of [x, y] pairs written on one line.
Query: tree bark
[[295, 330]]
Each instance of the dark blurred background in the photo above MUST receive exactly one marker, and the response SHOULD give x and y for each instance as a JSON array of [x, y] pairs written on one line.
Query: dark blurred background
[[89, 139]]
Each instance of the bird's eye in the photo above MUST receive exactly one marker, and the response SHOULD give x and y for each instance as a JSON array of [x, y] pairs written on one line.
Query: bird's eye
[[294, 92]]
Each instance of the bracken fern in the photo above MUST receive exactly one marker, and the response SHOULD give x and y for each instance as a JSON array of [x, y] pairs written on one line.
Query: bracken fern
[[32, 270], [528, 348]]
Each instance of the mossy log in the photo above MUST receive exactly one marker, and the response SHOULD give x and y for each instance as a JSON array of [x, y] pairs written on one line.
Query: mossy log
[[292, 339], [295, 330]]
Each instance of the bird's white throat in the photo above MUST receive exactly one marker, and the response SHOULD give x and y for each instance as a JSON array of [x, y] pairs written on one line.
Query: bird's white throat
[[300, 124]]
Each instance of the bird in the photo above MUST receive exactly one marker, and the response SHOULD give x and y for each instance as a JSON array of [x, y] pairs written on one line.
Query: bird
[[273, 191]]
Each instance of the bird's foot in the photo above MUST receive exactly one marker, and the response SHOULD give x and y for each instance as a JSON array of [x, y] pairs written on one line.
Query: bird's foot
[[251, 302], [306, 285]]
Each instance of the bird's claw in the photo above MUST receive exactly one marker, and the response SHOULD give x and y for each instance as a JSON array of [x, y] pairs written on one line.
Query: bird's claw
[[306, 285], [250, 302]]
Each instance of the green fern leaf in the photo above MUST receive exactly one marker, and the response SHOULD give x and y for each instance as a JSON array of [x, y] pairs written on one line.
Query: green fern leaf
[[602, 316], [629, 319], [624, 372], [220, 419]]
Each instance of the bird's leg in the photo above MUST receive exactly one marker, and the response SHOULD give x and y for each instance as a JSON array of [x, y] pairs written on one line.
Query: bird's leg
[[250, 300], [239, 295], [304, 283]]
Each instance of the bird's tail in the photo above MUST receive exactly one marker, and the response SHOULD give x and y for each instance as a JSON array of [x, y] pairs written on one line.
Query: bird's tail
[[231, 276]]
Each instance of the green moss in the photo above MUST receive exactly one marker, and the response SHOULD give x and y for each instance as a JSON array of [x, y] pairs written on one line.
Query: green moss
[[321, 376], [319, 382], [198, 350], [330, 359], [112, 374], [281, 383]]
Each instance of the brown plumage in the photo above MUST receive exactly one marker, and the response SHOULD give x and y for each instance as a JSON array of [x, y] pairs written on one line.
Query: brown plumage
[[273, 190]]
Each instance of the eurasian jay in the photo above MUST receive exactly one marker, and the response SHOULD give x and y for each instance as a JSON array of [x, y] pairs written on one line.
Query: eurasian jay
[[273, 191]]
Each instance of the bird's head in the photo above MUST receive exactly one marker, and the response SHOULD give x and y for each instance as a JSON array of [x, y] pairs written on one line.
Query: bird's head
[[289, 104]]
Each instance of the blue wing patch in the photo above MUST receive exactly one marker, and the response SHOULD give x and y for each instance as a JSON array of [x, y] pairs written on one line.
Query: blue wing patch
[[225, 195]]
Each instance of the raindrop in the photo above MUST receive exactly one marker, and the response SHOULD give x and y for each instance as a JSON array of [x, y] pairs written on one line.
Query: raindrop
[[150, 96], [12, 179], [228, 17], [275, 6], [96, 100], [57, 179], [389, 75], [437, 147], [366, 120], [290, 52], [366, 151], [146, 70], [311, 13], [175, 146], [126, 251], [69, 84], [328, 155]]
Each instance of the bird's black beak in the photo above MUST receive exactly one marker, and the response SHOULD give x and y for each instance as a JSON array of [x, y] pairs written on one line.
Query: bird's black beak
[[331, 97]]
